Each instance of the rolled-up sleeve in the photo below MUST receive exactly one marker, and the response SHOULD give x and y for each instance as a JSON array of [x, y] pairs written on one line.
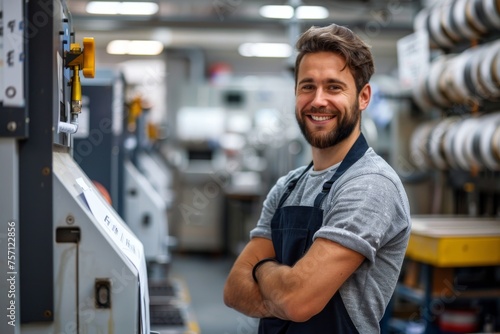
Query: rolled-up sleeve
[[364, 214]]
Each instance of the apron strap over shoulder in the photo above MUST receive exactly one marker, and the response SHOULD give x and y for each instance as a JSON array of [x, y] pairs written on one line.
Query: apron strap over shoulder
[[355, 153], [292, 184]]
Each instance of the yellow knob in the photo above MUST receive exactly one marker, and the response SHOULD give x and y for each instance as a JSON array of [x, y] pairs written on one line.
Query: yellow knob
[[88, 68]]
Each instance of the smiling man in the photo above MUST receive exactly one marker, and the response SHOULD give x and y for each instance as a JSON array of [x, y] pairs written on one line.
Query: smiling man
[[328, 248]]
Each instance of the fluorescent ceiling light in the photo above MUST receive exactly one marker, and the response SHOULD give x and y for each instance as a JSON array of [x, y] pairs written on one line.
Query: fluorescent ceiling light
[[126, 47], [121, 8], [276, 12], [272, 50], [312, 12], [286, 12]]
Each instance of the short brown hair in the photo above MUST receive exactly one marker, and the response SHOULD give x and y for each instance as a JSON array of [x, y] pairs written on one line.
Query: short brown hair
[[344, 42]]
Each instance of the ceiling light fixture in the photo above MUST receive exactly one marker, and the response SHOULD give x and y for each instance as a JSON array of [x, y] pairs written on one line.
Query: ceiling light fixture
[[136, 47], [286, 12], [121, 8], [276, 12], [270, 50], [312, 12]]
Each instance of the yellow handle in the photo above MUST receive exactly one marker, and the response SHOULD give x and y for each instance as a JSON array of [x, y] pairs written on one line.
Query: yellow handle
[[88, 57]]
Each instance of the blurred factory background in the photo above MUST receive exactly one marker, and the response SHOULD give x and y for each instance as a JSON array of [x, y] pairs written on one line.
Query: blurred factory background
[[128, 192]]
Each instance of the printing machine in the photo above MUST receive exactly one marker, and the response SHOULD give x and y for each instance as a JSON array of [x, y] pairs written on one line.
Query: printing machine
[[111, 147], [98, 144], [146, 214], [107, 151], [147, 198], [76, 267], [147, 188]]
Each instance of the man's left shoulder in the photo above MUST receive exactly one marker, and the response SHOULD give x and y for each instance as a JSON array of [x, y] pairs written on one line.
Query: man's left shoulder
[[374, 164]]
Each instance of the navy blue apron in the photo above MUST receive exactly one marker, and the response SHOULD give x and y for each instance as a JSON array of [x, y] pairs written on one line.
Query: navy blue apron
[[292, 230]]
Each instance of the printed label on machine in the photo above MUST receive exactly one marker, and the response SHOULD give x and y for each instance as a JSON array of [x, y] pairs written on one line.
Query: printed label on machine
[[12, 80], [132, 248]]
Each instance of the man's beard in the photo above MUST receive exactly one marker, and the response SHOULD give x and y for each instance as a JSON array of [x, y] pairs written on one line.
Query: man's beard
[[345, 126]]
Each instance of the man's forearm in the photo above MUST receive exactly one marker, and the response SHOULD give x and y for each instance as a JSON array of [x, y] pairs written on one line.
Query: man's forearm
[[298, 293], [243, 294], [240, 291], [277, 285]]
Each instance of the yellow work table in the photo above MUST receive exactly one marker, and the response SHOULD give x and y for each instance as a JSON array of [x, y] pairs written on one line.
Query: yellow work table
[[454, 241], [440, 248]]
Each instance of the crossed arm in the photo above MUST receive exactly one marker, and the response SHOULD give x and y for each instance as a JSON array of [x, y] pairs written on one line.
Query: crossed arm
[[292, 293]]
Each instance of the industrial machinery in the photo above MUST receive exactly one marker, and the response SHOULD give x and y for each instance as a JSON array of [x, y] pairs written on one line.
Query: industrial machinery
[[98, 144], [106, 150], [74, 266], [147, 197], [112, 147], [147, 188]]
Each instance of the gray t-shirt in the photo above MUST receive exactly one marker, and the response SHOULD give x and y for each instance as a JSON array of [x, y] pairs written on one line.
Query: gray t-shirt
[[367, 211]]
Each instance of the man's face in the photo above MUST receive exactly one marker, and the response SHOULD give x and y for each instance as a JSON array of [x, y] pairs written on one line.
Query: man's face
[[327, 103]]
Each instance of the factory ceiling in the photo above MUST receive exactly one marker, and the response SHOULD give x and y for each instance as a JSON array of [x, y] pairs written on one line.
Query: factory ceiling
[[218, 26]]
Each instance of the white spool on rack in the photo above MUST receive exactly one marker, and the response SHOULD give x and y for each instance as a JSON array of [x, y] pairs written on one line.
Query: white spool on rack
[[448, 143], [468, 32], [433, 90], [461, 81], [475, 16], [472, 75], [420, 93], [471, 155], [457, 90], [419, 152], [436, 142], [447, 81], [492, 11], [436, 31], [448, 23], [421, 23], [489, 70], [465, 128], [489, 141], [420, 96]]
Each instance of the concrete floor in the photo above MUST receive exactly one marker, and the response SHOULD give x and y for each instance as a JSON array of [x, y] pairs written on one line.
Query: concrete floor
[[204, 276]]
